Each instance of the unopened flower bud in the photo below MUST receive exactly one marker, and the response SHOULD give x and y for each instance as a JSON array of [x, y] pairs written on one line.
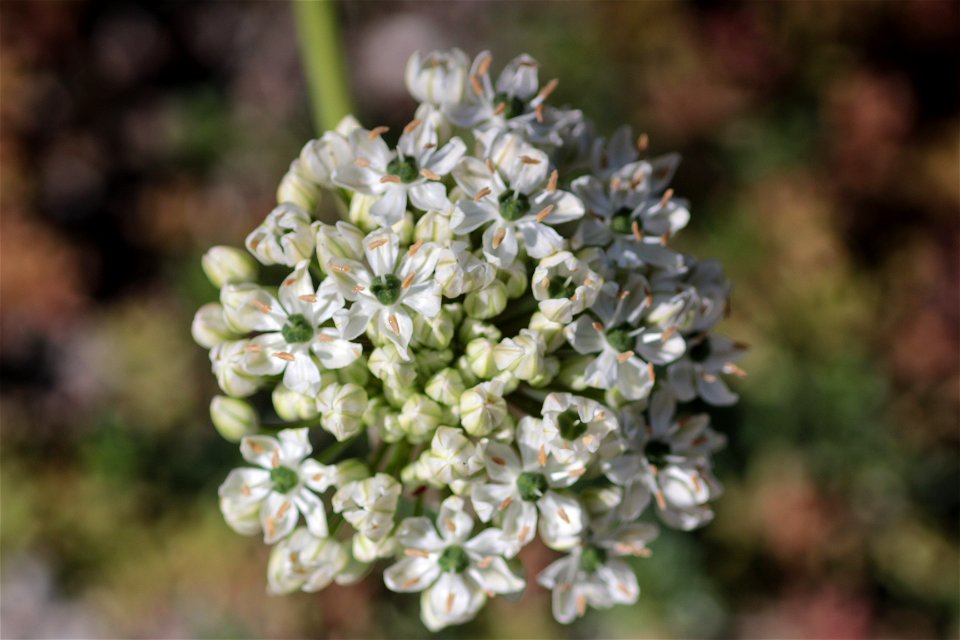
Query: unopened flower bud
[[434, 226], [388, 365], [429, 361], [552, 332], [482, 408], [514, 278], [451, 456], [445, 387], [233, 418], [292, 406], [471, 329], [435, 332], [522, 355], [351, 470], [355, 372], [382, 418], [359, 212], [466, 371], [298, 189], [509, 381], [209, 327], [549, 371], [285, 237], [420, 417], [227, 363], [601, 500], [369, 505], [572, 372], [480, 357], [367, 550], [228, 264], [486, 302], [341, 407]]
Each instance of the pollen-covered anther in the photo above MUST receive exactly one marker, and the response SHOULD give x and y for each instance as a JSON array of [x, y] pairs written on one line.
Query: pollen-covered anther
[[666, 197], [538, 112], [376, 244], [735, 370], [275, 459], [624, 356], [391, 178], [245, 490], [637, 233], [543, 213], [652, 371], [357, 289], [412, 251], [450, 598], [323, 337], [500, 109], [412, 126], [661, 501], [253, 348], [480, 195], [548, 89], [665, 238], [576, 473], [598, 327], [587, 440], [429, 175], [408, 280], [552, 182], [506, 502], [308, 297], [581, 605], [285, 355], [643, 141], [668, 333], [490, 166], [376, 132], [542, 456], [261, 305], [475, 85], [484, 562], [338, 268], [708, 377], [622, 588], [529, 160], [451, 526], [484, 66], [615, 183], [420, 553], [623, 295], [498, 460], [362, 163], [394, 325], [498, 236]]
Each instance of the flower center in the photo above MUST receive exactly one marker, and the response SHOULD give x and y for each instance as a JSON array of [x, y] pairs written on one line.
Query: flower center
[[622, 221], [656, 452], [284, 479], [386, 288], [700, 351], [453, 559], [561, 288], [514, 206], [620, 339], [531, 485], [404, 168], [514, 105], [592, 558], [297, 329], [570, 425]]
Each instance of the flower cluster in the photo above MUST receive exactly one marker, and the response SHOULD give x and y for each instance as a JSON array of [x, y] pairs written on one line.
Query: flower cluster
[[496, 344]]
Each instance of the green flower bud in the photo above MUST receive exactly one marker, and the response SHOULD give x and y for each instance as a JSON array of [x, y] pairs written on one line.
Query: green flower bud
[[341, 407], [350, 470], [466, 371], [572, 370], [292, 406], [480, 357], [435, 332], [601, 500], [388, 365], [367, 550], [434, 226], [549, 371], [471, 329], [507, 430], [514, 279], [445, 387], [382, 418], [295, 187], [233, 418], [552, 332], [395, 394], [355, 372], [482, 408], [359, 212], [486, 302], [209, 327], [428, 362], [455, 309], [420, 417], [509, 381], [522, 355], [224, 265]]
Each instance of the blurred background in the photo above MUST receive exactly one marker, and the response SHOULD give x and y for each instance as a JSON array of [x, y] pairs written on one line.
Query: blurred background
[[820, 144]]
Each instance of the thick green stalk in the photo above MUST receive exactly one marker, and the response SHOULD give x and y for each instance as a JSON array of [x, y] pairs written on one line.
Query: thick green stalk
[[322, 53]]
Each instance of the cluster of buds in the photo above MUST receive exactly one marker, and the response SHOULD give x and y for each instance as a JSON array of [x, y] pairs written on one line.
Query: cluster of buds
[[496, 343]]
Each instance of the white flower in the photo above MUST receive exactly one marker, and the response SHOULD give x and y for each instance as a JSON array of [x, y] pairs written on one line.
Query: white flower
[[512, 197], [451, 456], [272, 497], [304, 562], [341, 407], [521, 355], [455, 573], [320, 158], [414, 170], [572, 428], [368, 505], [386, 288], [594, 575], [438, 78], [227, 362], [626, 351], [228, 264], [285, 237], [292, 334], [564, 286], [521, 485], [698, 372], [209, 328]]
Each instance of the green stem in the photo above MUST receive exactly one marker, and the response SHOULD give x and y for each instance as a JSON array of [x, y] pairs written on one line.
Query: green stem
[[377, 456], [332, 452], [399, 457], [323, 65]]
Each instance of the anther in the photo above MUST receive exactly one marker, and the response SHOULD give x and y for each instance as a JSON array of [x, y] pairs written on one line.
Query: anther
[[376, 244], [376, 132], [505, 503], [420, 553], [543, 213], [538, 112], [475, 84], [285, 355], [666, 197], [408, 280], [362, 163], [643, 142], [548, 89], [484, 66], [623, 357], [529, 160], [542, 456], [275, 459], [637, 234], [394, 325], [429, 175], [598, 327], [338, 268], [498, 237], [480, 195], [552, 183], [416, 122], [357, 289], [501, 107], [412, 251], [390, 178], [308, 297], [261, 305]]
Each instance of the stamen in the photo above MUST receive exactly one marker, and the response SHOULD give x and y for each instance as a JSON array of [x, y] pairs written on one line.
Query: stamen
[[598, 327], [338, 268], [410, 582], [284, 355], [376, 132], [450, 598], [357, 289], [668, 333], [394, 325], [412, 251], [648, 297], [587, 440], [256, 447], [498, 460], [524, 532], [622, 588], [623, 357], [391, 178], [289, 282], [283, 510], [362, 163], [735, 370], [637, 234], [498, 236], [707, 377], [552, 183], [429, 145], [643, 142], [271, 526], [490, 166], [322, 337], [261, 305], [245, 490], [275, 459], [416, 122], [253, 348], [664, 238], [480, 195], [376, 244], [661, 501], [696, 483], [420, 553], [255, 243], [538, 112], [408, 280], [666, 197], [576, 473], [475, 84], [581, 606], [653, 373], [543, 213], [563, 515], [484, 66], [623, 295], [308, 297], [500, 109], [451, 526], [529, 160], [548, 89], [616, 183], [542, 456], [483, 563], [505, 503], [429, 175]]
